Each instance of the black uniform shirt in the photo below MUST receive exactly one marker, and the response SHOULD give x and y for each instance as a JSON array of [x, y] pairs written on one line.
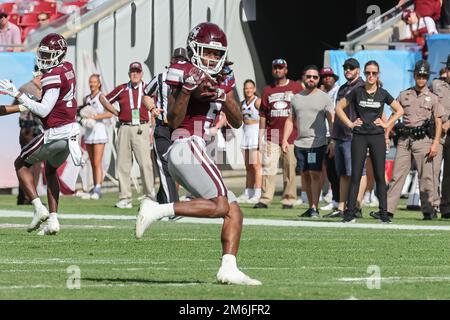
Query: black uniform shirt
[[369, 107]]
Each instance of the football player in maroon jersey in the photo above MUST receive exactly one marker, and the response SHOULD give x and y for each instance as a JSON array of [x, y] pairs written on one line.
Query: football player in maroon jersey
[[199, 90], [57, 110]]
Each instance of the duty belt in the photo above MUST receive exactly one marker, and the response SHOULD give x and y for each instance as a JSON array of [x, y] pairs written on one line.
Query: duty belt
[[123, 123]]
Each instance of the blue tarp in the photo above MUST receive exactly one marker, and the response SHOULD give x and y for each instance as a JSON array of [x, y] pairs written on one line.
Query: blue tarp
[[439, 49]]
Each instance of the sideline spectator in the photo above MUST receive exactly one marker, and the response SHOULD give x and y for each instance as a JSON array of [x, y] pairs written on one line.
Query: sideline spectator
[[9, 34], [445, 14], [133, 133], [249, 145], [328, 85], [342, 135], [311, 108], [96, 136], [274, 110], [30, 127]]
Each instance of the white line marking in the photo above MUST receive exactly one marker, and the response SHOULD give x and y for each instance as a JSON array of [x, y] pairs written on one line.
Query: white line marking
[[247, 222], [397, 279]]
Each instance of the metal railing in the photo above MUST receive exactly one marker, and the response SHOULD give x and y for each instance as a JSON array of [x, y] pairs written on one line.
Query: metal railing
[[375, 26]]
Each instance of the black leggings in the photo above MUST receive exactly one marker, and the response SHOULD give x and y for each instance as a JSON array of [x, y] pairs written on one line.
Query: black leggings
[[377, 152]]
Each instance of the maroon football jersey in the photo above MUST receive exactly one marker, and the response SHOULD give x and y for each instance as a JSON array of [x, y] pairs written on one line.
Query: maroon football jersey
[[275, 107], [65, 109], [199, 114]]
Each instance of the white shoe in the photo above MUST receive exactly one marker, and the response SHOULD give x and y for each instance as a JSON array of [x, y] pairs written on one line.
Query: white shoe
[[235, 276], [253, 200], [299, 202], [329, 197], [52, 227], [95, 196], [40, 215], [124, 204], [148, 213], [86, 196], [328, 207], [243, 198]]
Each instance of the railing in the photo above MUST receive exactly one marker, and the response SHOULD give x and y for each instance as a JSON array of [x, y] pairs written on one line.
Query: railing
[[374, 26]]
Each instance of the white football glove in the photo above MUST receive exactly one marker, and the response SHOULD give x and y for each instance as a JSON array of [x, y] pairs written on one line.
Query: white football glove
[[7, 87]]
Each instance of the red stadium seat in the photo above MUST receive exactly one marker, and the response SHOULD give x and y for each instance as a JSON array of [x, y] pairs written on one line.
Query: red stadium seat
[[25, 32], [43, 6], [14, 18], [74, 3], [29, 20], [7, 6]]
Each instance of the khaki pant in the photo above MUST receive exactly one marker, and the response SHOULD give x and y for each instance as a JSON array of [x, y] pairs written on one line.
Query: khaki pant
[[402, 165], [129, 142], [271, 154], [445, 200], [437, 162]]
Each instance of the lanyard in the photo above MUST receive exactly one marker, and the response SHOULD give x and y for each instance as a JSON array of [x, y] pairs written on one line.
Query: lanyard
[[131, 96]]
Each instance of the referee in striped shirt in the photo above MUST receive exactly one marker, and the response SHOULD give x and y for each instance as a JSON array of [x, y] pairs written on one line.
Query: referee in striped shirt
[[159, 90]]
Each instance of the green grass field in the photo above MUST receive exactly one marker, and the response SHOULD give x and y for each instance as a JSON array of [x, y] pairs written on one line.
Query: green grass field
[[177, 260]]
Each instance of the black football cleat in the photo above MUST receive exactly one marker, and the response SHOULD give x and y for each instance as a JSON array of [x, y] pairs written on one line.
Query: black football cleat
[[260, 205]]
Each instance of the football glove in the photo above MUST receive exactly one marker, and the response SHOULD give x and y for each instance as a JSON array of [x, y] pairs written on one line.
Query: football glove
[[193, 78], [7, 87]]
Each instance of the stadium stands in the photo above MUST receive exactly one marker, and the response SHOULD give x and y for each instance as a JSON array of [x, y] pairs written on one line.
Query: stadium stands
[[28, 21]]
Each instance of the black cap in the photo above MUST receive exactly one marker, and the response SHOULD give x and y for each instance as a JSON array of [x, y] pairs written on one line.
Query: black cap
[[448, 62], [422, 67], [179, 53], [351, 62]]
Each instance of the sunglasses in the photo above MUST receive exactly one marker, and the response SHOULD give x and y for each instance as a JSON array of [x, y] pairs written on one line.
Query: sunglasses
[[351, 68], [45, 19], [371, 73], [309, 76]]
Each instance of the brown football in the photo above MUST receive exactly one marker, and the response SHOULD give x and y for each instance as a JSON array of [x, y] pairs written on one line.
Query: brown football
[[205, 86]]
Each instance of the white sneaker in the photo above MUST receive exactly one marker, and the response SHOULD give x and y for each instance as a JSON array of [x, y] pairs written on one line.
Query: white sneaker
[[374, 203], [299, 202], [253, 200], [86, 196], [328, 207], [148, 213], [124, 204], [328, 197], [95, 196], [52, 227], [243, 198], [40, 215], [235, 276]]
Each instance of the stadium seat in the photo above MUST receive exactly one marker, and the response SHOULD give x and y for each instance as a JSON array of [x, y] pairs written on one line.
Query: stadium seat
[[29, 20], [7, 7], [43, 6], [75, 3], [14, 18], [25, 32]]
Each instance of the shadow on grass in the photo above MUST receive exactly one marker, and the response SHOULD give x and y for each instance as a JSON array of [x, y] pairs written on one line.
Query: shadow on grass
[[145, 281]]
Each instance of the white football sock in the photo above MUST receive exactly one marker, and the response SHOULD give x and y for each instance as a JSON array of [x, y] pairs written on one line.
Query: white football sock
[[257, 193], [167, 210], [37, 203], [247, 192], [229, 261]]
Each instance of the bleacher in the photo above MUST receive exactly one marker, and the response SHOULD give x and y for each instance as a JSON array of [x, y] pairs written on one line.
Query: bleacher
[[26, 18]]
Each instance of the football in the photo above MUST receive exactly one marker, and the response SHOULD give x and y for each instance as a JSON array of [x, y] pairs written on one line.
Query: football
[[204, 87]]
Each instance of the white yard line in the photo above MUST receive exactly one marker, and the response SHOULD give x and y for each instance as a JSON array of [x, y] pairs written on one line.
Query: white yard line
[[247, 221], [397, 279]]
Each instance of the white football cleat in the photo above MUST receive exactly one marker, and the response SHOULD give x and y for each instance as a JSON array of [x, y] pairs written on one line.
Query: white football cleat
[[235, 276], [40, 215], [52, 227], [243, 198], [148, 213]]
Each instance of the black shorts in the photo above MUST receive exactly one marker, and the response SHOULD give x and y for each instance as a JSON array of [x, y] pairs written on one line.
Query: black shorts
[[310, 159]]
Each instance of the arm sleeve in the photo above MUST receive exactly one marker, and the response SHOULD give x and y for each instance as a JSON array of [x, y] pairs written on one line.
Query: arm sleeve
[[43, 108], [388, 99], [113, 96]]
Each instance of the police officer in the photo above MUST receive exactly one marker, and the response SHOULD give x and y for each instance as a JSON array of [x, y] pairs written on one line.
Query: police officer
[[419, 138], [442, 89]]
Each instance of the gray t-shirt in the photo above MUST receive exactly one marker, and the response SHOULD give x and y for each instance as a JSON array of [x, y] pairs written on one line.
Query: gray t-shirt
[[310, 113]]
